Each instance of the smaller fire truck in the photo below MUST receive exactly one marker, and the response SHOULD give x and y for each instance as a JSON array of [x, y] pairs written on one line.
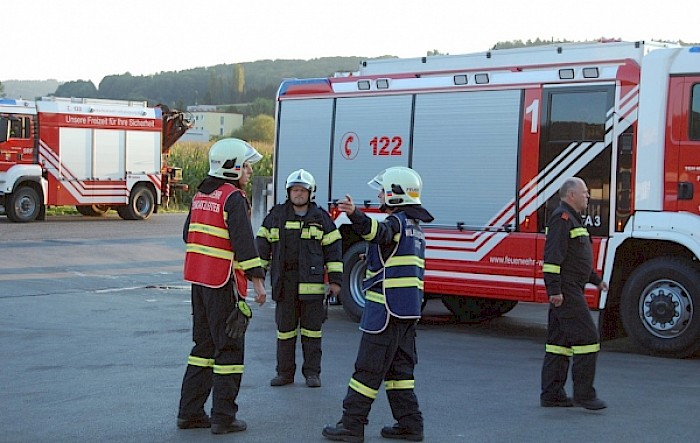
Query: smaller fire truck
[[93, 154]]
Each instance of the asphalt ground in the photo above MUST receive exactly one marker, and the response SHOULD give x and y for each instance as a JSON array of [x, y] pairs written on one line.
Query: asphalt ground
[[95, 331]]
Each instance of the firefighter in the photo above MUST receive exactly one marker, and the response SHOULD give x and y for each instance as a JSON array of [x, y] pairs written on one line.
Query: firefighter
[[300, 243], [220, 256], [393, 298], [568, 266]]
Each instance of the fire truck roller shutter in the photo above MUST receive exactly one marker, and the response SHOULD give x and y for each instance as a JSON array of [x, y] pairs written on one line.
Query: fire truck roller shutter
[[303, 140], [479, 132]]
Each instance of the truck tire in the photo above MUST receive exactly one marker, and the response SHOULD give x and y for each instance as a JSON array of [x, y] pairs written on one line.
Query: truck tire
[[476, 309], [351, 294], [660, 307], [141, 204], [23, 205], [92, 210]]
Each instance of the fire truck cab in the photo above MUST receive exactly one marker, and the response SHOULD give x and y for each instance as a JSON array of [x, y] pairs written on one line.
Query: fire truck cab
[[494, 135]]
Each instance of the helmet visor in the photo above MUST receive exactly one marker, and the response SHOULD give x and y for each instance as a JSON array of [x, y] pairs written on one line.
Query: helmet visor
[[251, 155], [376, 182], [299, 183]]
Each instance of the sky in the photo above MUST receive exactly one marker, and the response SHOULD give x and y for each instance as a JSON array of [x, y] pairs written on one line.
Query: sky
[[88, 39]]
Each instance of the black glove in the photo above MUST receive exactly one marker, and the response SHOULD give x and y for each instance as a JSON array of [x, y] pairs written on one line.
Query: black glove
[[237, 322]]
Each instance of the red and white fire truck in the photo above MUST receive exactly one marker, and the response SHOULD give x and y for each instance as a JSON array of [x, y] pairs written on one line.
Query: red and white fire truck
[[93, 154], [494, 135]]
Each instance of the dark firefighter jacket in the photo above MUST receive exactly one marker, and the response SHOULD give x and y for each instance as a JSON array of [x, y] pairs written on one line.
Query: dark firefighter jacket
[[317, 244], [568, 252]]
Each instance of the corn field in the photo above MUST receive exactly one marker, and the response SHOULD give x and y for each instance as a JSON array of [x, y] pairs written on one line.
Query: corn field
[[193, 158]]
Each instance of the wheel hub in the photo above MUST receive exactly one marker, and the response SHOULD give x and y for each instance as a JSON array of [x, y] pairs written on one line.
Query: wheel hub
[[662, 309], [666, 309], [142, 204], [25, 206]]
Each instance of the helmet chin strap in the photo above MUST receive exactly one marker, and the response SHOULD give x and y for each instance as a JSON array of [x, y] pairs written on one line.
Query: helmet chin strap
[[231, 180]]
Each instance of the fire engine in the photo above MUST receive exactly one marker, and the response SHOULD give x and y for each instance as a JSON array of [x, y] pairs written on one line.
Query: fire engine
[[494, 135], [93, 154]]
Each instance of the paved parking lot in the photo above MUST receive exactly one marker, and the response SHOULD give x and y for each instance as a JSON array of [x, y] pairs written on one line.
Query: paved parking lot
[[95, 333]]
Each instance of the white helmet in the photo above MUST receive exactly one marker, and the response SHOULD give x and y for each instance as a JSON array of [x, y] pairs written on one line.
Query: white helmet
[[304, 179], [226, 158], [402, 186]]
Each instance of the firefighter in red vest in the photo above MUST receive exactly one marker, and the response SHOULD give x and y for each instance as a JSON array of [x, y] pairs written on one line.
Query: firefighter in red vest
[[571, 332], [220, 257]]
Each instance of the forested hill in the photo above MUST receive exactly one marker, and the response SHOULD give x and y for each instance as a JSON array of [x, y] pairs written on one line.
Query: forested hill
[[220, 84]]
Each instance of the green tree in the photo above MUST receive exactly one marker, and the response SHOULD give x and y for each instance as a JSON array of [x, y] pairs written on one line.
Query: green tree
[[258, 128], [520, 44], [2, 90], [78, 88], [238, 81], [215, 92], [260, 106]]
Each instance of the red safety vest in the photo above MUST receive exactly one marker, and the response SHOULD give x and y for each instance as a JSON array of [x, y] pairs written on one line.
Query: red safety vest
[[209, 258]]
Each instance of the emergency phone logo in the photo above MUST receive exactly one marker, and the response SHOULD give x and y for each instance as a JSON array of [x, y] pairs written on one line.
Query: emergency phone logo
[[349, 145]]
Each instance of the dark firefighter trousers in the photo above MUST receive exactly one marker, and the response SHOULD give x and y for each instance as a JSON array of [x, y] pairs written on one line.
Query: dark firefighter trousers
[[304, 317], [570, 332], [216, 361], [388, 357]]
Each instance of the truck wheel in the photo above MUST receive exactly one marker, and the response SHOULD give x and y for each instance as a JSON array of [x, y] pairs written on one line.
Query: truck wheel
[[92, 210], [660, 307], [140, 206], [351, 294], [476, 309], [23, 205]]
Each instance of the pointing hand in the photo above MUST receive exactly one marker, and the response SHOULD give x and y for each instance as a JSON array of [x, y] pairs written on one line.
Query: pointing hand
[[346, 205]]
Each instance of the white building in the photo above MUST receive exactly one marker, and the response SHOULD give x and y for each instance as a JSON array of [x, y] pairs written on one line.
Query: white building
[[209, 122]]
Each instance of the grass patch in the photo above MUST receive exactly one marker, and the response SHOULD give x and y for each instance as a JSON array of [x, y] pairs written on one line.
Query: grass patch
[[61, 210]]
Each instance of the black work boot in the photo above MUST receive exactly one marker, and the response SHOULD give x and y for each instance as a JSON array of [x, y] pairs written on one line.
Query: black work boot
[[234, 426], [398, 432], [340, 433], [594, 404], [194, 422], [281, 380], [564, 402], [313, 381]]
